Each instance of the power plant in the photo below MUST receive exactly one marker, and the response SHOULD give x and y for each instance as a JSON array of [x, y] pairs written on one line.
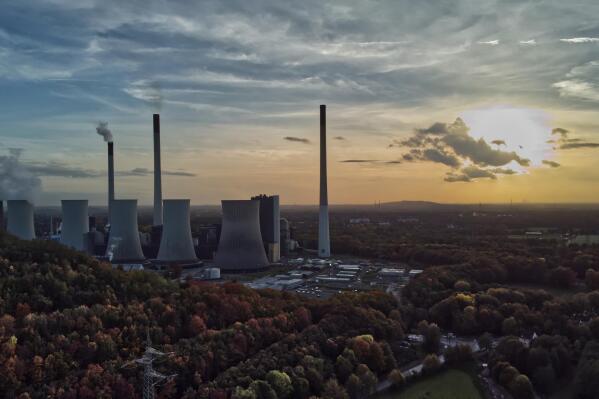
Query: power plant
[[75, 224], [324, 244], [252, 234], [20, 219], [176, 244], [240, 247], [123, 242]]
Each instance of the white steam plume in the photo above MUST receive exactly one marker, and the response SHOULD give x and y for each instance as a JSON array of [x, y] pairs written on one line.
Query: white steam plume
[[103, 130], [16, 181]]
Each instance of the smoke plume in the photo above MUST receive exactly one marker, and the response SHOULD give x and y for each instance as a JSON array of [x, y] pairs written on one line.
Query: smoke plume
[[103, 130], [16, 181]]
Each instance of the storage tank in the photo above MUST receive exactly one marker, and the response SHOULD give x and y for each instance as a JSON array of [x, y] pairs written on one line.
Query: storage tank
[[123, 242], [240, 246], [75, 223], [176, 244], [20, 219]]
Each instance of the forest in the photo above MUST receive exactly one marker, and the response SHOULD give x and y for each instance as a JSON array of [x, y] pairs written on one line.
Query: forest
[[71, 326]]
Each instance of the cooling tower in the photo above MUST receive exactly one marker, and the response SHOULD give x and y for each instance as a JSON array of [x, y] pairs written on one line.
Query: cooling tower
[[20, 219], [324, 245], [75, 223], [110, 178], [123, 243], [176, 244], [157, 173], [240, 247]]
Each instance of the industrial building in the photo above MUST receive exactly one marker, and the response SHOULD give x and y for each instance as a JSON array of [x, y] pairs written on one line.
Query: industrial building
[[75, 224], [240, 247], [270, 216], [123, 241], [20, 219], [176, 245]]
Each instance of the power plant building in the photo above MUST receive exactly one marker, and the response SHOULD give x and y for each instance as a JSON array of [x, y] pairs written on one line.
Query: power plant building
[[240, 247], [123, 242], [176, 244], [75, 224], [270, 225], [20, 219]]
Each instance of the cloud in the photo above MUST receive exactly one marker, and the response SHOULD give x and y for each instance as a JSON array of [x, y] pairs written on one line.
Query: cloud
[[451, 145], [478, 151], [530, 42], [572, 145], [297, 139], [561, 131], [58, 169], [552, 164], [471, 172], [359, 160], [148, 172], [340, 138], [578, 40], [436, 155], [16, 180], [490, 42]]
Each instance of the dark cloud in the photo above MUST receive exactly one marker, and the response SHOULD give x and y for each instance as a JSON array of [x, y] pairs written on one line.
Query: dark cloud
[[470, 173], [437, 128], [552, 164], [340, 138], [561, 131], [503, 171], [570, 145], [360, 161], [478, 151], [59, 169], [147, 172], [435, 155], [452, 145], [393, 162], [297, 139]]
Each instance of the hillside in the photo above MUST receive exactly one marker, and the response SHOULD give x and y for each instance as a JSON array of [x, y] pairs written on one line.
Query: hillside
[[68, 325]]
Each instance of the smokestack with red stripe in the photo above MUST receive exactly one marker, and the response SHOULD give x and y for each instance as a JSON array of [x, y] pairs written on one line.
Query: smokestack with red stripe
[[157, 174]]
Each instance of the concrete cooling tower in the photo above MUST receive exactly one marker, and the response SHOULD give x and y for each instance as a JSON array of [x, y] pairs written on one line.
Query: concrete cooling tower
[[75, 224], [123, 243], [240, 247], [176, 244], [20, 219]]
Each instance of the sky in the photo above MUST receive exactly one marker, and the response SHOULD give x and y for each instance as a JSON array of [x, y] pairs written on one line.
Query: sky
[[450, 101]]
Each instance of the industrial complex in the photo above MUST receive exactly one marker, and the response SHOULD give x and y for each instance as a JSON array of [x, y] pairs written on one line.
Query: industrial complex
[[251, 236]]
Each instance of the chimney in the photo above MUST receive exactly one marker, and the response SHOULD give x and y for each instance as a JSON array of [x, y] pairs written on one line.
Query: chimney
[[1, 215], [110, 179], [324, 245], [157, 173]]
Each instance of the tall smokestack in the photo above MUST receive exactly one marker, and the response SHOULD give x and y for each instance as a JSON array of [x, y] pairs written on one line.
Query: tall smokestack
[[110, 179], [157, 173], [324, 245]]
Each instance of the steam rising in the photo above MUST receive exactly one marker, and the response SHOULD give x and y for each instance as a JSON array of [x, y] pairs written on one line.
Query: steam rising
[[102, 130], [16, 181]]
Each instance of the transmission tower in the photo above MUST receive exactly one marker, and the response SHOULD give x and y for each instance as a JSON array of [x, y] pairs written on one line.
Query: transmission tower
[[152, 378]]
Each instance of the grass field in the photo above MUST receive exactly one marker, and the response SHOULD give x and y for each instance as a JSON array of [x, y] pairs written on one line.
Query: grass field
[[450, 384]]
